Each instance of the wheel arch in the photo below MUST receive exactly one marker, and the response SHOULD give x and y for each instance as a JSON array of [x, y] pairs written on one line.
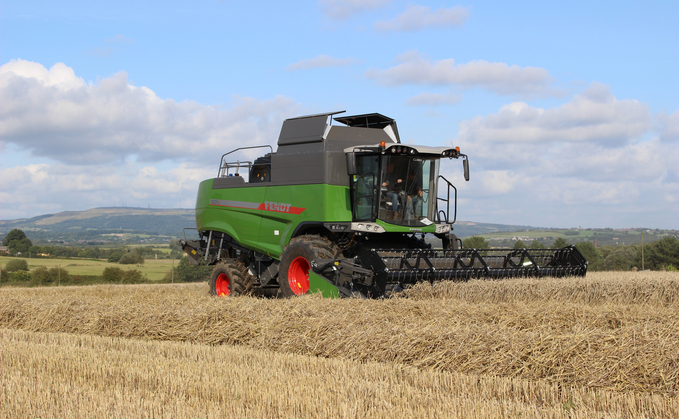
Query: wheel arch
[[310, 228]]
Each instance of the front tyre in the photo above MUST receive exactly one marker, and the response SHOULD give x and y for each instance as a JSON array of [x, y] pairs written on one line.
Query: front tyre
[[230, 278], [296, 262]]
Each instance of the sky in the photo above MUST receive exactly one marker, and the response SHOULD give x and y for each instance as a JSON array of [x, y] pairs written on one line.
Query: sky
[[568, 111]]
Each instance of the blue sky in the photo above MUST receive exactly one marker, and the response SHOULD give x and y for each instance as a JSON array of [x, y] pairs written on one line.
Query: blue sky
[[569, 112]]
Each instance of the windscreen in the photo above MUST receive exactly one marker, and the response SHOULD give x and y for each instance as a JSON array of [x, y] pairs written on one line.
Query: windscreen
[[408, 190], [396, 189]]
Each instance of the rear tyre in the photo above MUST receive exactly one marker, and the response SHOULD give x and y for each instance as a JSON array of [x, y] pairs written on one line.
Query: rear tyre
[[296, 261], [230, 278]]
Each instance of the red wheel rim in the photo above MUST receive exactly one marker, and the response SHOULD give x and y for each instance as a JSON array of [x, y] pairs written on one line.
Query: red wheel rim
[[223, 285], [298, 275]]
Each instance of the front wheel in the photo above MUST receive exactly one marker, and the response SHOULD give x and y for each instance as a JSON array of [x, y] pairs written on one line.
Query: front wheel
[[230, 278], [296, 262]]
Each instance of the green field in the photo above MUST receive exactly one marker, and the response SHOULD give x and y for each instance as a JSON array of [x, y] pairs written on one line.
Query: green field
[[581, 234], [601, 237], [154, 269], [160, 249]]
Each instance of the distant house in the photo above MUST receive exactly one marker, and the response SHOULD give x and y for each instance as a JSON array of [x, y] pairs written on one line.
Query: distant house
[[4, 249]]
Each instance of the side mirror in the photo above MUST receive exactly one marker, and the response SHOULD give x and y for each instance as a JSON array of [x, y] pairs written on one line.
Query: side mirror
[[465, 164], [351, 164]]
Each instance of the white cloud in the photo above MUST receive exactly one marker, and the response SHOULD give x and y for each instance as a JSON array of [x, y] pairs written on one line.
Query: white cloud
[[593, 116], [499, 182], [422, 17], [320, 61], [60, 75], [594, 158], [47, 188], [500, 78], [112, 143], [53, 113], [344, 9], [670, 127]]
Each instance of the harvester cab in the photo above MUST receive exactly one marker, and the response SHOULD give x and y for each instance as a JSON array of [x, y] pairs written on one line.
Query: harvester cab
[[346, 210], [395, 185]]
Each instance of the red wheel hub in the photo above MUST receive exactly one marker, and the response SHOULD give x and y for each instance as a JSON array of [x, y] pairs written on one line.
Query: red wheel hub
[[298, 275], [223, 285]]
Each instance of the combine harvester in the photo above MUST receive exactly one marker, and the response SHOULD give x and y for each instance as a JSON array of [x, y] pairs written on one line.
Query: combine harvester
[[344, 210]]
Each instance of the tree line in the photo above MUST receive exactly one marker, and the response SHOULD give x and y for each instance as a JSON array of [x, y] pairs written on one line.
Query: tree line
[[659, 255], [17, 270], [19, 245]]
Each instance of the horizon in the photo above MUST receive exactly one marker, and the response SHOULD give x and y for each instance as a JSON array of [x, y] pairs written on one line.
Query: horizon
[[569, 112], [457, 222]]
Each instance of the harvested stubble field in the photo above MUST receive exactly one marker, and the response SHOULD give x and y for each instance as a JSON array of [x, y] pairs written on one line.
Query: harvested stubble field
[[602, 346]]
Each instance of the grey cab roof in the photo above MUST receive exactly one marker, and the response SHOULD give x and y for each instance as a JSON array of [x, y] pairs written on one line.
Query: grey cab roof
[[421, 149]]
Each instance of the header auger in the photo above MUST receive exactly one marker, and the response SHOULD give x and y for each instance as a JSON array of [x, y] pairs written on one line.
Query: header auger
[[344, 210]]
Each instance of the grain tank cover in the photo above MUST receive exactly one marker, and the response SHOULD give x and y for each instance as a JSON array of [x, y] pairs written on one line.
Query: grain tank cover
[[305, 129], [372, 120], [314, 128]]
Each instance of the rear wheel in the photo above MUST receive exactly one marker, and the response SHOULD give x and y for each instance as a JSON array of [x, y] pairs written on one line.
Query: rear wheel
[[230, 278], [296, 262]]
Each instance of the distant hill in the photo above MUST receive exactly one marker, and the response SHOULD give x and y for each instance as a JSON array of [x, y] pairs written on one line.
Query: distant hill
[[103, 226], [165, 222], [140, 220], [468, 228]]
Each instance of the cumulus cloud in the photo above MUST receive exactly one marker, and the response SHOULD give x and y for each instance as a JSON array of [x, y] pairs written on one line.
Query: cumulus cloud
[[53, 113], [46, 188], [320, 61], [500, 78], [112, 143], [344, 9], [669, 127], [596, 158], [422, 17], [593, 116]]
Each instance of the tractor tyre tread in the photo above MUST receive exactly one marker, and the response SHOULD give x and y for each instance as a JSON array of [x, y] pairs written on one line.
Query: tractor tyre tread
[[326, 244], [241, 282]]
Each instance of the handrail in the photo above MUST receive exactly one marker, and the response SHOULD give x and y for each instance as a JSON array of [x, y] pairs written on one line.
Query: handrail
[[221, 161], [447, 201]]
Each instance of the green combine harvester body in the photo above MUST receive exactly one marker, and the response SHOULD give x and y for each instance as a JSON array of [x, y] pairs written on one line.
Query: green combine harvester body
[[344, 210]]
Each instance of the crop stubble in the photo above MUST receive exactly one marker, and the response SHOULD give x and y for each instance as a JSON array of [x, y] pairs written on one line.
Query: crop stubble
[[609, 333]]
